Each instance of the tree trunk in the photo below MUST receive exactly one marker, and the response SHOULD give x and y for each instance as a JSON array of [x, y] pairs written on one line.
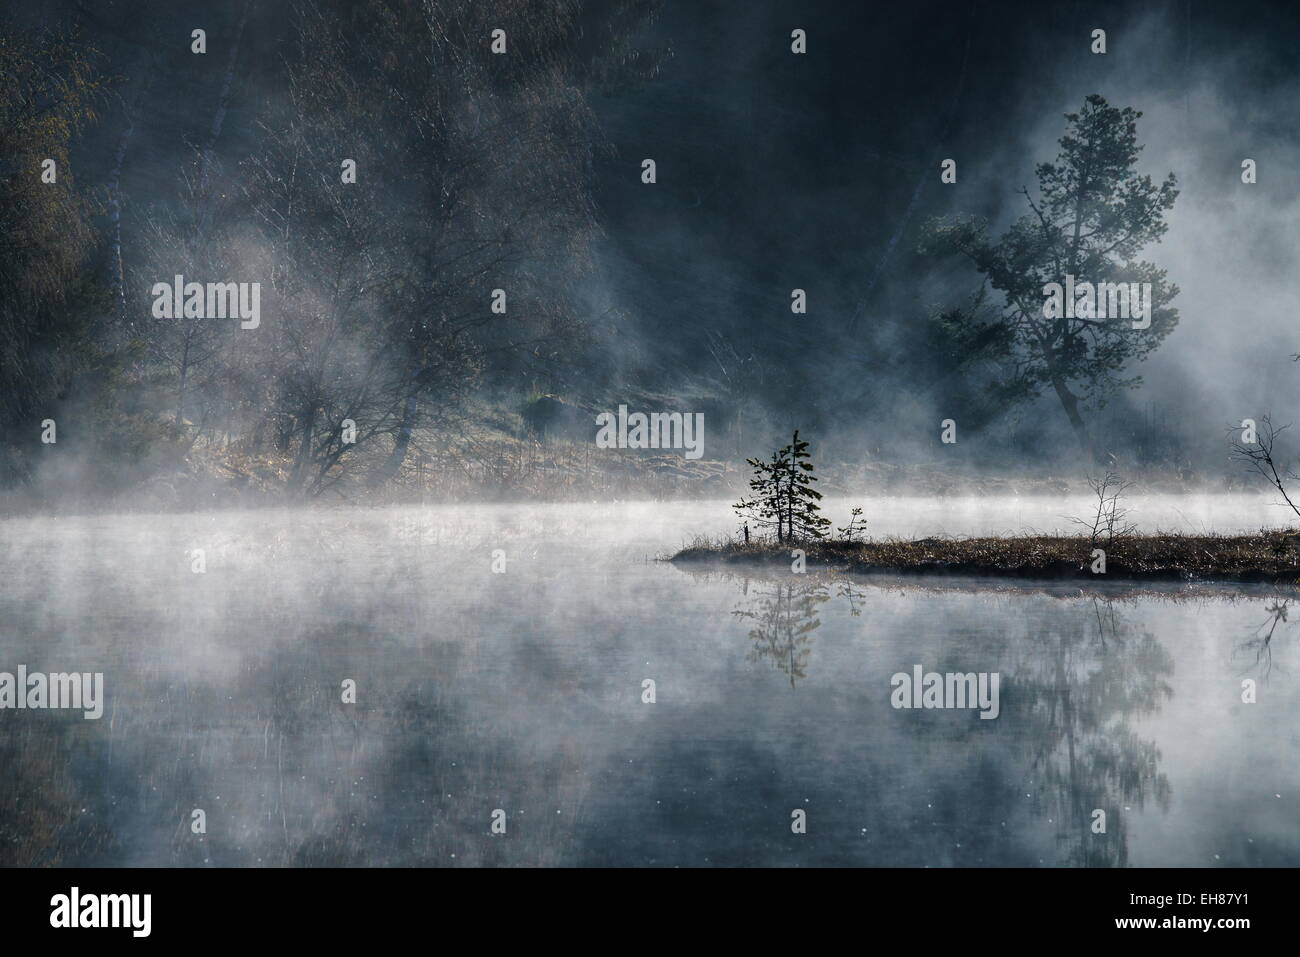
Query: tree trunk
[[304, 451], [395, 459], [789, 521], [1070, 402]]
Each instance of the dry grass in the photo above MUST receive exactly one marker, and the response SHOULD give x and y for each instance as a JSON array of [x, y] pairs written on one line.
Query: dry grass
[[1265, 556]]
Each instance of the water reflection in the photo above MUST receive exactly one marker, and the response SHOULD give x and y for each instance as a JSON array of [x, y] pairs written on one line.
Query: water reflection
[[522, 691], [784, 617], [1260, 643], [1083, 679], [1071, 691]]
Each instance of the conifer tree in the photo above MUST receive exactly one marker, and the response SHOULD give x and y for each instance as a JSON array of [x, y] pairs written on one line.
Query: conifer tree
[[783, 494], [1093, 216], [767, 509], [802, 518]]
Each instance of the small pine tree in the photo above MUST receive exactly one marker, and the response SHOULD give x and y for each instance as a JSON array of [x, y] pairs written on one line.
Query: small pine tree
[[767, 509], [802, 518], [857, 525], [784, 496]]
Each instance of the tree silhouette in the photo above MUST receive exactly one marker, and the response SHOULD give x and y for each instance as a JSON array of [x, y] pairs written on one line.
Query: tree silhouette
[[783, 494], [767, 508], [1093, 216]]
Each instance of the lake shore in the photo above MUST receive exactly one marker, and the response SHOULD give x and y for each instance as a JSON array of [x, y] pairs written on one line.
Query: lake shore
[[1271, 556]]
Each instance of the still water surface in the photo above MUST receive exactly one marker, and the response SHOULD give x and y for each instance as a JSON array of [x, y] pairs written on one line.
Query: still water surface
[[522, 691]]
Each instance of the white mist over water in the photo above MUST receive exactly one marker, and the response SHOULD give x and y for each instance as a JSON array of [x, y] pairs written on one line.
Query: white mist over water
[[523, 691]]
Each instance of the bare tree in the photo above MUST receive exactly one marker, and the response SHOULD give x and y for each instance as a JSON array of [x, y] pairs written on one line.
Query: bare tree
[[468, 181], [494, 157], [1261, 642], [184, 355], [1258, 456], [1110, 520], [857, 525]]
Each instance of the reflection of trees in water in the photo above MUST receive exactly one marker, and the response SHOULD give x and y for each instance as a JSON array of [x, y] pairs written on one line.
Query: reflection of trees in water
[[1070, 693], [1079, 685], [844, 589], [1260, 644], [784, 618], [785, 615]]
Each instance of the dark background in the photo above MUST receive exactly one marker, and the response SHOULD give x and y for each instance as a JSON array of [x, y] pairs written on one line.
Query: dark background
[[778, 171]]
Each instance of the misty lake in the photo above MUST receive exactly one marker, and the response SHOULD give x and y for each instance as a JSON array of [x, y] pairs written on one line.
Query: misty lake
[[521, 692]]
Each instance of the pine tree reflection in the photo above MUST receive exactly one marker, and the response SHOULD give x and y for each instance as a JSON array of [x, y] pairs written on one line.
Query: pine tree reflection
[[1079, 686], [785, 617]]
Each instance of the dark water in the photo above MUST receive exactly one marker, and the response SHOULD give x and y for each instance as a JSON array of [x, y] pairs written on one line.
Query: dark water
[[522, 691]]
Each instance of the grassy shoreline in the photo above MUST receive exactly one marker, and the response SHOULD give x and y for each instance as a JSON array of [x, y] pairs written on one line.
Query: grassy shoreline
[[1266, 556]]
